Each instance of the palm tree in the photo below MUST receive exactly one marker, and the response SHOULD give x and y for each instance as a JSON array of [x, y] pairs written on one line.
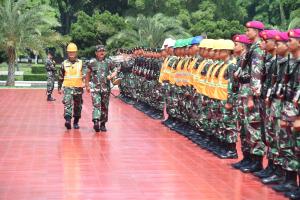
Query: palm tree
[[148, 31], [25, 28]]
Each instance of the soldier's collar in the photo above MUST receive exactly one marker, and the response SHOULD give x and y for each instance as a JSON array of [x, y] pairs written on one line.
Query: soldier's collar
[[282, 60]]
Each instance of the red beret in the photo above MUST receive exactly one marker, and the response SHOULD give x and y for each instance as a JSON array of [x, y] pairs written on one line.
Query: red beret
[[282, 36], [242, 39], [295, 33], [255, 24]]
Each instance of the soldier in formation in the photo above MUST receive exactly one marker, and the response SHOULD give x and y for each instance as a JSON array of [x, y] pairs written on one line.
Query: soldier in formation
[[213, 90]]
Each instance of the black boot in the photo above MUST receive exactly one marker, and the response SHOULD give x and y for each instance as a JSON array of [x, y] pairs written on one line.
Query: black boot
[[102, 127], [96, 125], [276, 177], [255, 166], [75, 123], [50, 98], [245, 161], [266, 172], [295, 195], [68, 123], [230, 152], [290, 183]]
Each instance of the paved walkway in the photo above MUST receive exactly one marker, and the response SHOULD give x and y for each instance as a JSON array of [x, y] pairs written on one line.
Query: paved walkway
[[137, 158]]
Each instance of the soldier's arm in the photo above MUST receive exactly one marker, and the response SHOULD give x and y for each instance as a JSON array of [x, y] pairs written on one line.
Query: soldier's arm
[[256, 73], [61, 75], [230, 71]]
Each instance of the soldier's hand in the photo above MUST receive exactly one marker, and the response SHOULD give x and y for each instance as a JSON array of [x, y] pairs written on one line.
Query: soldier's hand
[[59, 92], [88, 89], [250, 104], [228, 106], [267, 102], [296, 104]]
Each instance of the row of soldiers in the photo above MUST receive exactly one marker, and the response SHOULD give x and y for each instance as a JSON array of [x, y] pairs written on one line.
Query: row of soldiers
[[215, 89]]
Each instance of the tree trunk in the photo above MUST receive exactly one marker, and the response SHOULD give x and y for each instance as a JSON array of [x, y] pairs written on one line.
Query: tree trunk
[[36, 59], [11, 54], [282, 15]]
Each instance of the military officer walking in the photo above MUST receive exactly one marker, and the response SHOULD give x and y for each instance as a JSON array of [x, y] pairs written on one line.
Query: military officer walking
[[101, 71], [71, 78], [50, 68]]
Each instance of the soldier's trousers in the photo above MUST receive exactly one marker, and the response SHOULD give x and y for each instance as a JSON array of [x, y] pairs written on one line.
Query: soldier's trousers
[[50, 82], [289, 140], [72, 98], [230, 133], [245, 145], [100, 105], [253, 127]]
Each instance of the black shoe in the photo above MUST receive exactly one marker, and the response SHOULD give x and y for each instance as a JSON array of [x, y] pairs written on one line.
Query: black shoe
[[230, 152], [275, 178], [255, 166], [267, 171], [245, 161], [290, 183], [102, 127], [50, 98], [295, 195], [96, 125], [75, 123], [68, 124]]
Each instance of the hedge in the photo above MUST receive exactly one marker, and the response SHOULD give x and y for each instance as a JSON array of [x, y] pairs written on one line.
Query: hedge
[[17, 78], [34, 77], [39, 70]]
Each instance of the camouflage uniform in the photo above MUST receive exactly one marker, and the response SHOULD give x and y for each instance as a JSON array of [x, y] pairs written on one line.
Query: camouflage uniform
[[72, 95], [289, 141], [51, 70], [252, 88], [101, 87]]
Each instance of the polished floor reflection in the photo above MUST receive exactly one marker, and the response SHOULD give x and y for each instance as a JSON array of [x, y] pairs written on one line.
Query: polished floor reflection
[[137, 158]]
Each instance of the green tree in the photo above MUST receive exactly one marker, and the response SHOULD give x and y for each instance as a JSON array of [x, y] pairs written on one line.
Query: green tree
[[148, 31], [25, 29], [88, 31]]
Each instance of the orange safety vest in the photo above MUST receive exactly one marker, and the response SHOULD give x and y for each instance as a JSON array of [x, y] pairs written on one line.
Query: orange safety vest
[[212, 82], [185, 73], [222, 92], [73, 74], [197, 81], [191, 71], [178, 73], [163, 71], [172, 72]]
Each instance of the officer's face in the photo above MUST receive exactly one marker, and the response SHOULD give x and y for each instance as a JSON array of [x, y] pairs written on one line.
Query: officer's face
[[270, 45], [72, 55], [293, 44], [100, 54], [251, 33], [164, 53], [262, 45], [211, 53], [282, 48], [238, 48]]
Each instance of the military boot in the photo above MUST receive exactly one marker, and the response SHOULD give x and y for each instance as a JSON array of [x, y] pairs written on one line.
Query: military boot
[[267, 171], [102, 127], [68, 123], [50, 98], [245, 161], [75, 123], [96, 125], [290, 183], [230, 152], [276, 177], [255, 166]]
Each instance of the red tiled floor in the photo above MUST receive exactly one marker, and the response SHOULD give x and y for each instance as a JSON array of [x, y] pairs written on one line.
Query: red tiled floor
[[137, 158]]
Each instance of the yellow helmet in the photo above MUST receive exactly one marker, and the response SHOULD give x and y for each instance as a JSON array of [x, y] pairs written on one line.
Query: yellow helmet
[[210, 43], [203, 43], [229, 45], [218, 44], [72, 47]]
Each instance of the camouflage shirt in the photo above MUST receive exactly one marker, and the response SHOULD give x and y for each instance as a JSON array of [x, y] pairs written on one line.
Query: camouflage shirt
[[99, 72]]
